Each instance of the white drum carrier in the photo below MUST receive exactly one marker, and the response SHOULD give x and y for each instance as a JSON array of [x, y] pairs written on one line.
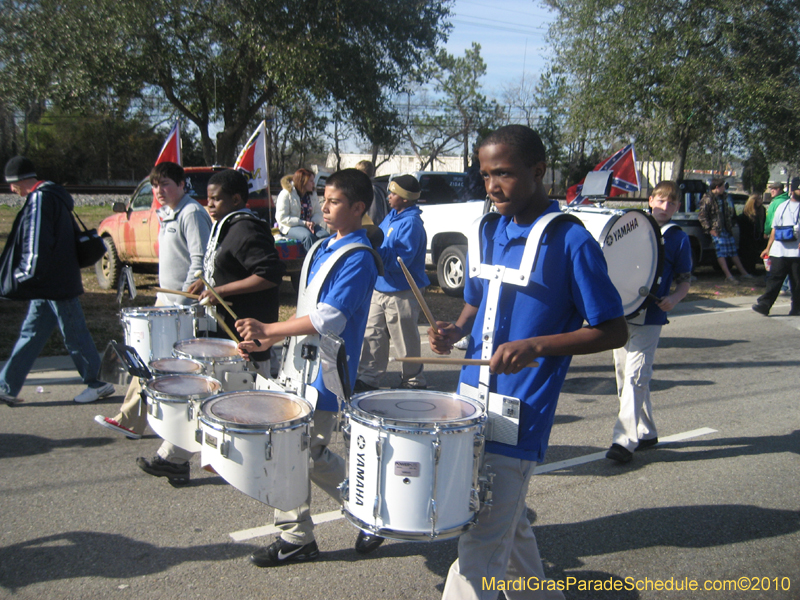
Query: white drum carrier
[[633, 249], [153, 330], [258, 442], [413, 463], [173, 407]]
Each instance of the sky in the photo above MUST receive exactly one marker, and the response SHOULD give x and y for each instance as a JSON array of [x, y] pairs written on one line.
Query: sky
[[511, 34]]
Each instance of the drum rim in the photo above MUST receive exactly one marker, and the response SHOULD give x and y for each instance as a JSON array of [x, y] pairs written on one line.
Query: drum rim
[[408, 425], [216, 359], [191, 360], [210, 420], [399, 534], [145, 311], [158, 396]]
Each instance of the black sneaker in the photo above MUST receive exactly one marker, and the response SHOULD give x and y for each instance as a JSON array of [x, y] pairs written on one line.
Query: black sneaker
[[281, 552], [648, 443], [619, 454], [158, 467], [762, 310]]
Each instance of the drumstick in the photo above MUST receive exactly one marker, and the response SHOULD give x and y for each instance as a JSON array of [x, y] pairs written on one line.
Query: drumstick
[[447, 361], [199, 275], [176, 292], [418, 295], [221, 320]]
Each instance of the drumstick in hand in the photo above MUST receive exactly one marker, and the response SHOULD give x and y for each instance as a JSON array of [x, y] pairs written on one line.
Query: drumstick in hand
[[446, 360], [418, 294], [176, 292], [199, 275]]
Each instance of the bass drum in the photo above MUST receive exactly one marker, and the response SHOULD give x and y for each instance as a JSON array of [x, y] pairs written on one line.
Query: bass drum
[[633, 249]]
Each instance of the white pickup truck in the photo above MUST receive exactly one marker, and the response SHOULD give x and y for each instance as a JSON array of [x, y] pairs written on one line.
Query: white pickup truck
[[447, 212]]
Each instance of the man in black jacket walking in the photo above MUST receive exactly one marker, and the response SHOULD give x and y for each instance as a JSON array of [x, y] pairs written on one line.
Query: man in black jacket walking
[[40, 264]]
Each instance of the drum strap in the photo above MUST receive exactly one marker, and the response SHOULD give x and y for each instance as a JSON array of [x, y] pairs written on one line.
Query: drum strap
[[503, 412], [301, 360]]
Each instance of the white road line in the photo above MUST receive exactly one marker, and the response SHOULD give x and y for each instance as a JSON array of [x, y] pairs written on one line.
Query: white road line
[[722, 311], [582, 460], [249, 534]]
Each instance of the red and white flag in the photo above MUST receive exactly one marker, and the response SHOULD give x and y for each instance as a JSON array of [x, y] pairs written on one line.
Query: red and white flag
[[625, 179], [253, 159], [171, 150]]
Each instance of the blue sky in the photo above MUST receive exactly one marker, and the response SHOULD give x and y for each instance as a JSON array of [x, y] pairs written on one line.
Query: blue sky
[[511, 34]]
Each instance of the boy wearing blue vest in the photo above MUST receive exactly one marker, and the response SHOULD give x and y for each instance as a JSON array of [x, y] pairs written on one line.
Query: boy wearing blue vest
[[535, 276], [394, 310], [635, 428], [341, 308]]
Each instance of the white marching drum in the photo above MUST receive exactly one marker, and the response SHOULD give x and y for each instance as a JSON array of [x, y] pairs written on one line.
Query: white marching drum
[[219, 356], [258, 442], [176, 366], [173, 407], [632, 246], [413, 463], [153, 330]]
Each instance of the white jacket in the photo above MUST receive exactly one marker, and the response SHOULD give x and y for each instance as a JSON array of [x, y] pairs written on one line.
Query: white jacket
[[288, 210]]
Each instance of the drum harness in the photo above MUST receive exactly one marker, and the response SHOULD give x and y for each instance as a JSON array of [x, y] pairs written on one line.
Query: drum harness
[[300, 361], [503, 411]]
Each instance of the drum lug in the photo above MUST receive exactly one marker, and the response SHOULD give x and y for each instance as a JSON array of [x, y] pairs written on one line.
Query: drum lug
[[190, 412], [345, 429], [224, 447], [376, 507], [268, 445], [198, 436], [486, 485], [305, 441], [344, 490]]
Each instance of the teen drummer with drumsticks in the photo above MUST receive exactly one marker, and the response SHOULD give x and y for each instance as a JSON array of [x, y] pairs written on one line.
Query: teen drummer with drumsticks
[[341, 309], [536, 315]]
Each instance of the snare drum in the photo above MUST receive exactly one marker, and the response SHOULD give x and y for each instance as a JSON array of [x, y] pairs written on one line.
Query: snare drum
[[413, 463], [632, 246], [219, 356], [153, 330], [258, 442], [173, 406], [176, 366]]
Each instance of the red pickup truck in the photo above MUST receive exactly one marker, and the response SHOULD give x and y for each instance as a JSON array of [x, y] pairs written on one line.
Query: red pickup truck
[[131, 235]]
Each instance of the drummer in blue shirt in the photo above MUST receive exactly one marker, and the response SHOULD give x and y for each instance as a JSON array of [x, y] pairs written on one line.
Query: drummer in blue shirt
[[522, 309]]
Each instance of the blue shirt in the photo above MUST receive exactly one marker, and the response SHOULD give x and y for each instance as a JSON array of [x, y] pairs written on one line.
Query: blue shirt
[[348, 289], [677, 259], [404, 236], [569, 285]]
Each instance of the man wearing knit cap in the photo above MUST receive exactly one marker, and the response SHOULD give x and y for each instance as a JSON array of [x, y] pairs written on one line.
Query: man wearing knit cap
[[394, 310], [39, 263]]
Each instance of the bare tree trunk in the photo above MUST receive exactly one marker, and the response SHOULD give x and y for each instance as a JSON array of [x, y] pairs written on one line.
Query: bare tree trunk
[[680, 158]]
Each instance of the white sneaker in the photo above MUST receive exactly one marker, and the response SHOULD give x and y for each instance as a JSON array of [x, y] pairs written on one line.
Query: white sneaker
[[92, 394]]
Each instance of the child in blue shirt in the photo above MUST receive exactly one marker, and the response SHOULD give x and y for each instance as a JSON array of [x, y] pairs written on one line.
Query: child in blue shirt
[[394, 311], [342, 309], [635, 428], [517, 315]]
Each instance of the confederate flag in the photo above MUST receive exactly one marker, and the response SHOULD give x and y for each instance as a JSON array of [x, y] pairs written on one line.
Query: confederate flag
[[625, 180], [171, 150]]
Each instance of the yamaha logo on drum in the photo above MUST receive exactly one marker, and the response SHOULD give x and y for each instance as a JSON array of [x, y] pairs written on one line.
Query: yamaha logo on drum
[[620, 233], [361, 442]]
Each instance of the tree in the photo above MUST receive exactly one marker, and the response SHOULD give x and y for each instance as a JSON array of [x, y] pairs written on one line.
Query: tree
[[671, 73], [755, 174], [459, 111], [219, 63]]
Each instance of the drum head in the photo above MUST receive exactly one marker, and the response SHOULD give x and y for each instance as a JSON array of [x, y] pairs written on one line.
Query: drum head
[[257, 409], [182, 387], [207, 348], [417, 406], [631, 243], [169, 366]]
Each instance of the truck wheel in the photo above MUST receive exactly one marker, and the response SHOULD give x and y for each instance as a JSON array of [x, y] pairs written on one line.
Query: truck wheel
[[451, 270], [107, 268]]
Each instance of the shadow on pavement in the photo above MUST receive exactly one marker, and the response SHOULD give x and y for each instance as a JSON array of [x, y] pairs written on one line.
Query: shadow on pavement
[[16, 445]]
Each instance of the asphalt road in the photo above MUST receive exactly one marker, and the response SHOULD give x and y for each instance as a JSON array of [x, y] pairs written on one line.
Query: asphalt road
[[717, 503]]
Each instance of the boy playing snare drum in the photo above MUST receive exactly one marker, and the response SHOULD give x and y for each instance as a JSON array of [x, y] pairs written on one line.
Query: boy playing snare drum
[[521, 316]]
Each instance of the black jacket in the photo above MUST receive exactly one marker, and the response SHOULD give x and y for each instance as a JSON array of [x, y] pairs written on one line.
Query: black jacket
[[39, 260]]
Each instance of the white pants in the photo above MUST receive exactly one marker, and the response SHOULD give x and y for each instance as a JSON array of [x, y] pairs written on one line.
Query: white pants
[[502, 545], [634, 367]]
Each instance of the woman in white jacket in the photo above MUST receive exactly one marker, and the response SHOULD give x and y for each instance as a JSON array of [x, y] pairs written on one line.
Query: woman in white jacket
[[298, 212]]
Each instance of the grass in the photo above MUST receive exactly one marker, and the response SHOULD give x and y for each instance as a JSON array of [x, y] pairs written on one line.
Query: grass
[[102, 310]]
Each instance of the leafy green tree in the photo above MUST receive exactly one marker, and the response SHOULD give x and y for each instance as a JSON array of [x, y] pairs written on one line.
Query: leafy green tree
[[219, 63], [755, 174], [672, 73]]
